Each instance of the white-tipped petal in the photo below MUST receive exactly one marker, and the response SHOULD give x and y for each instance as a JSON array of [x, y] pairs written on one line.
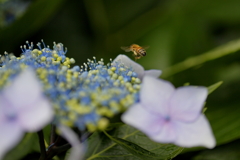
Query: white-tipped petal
[[35, 117], [77, 151], [155, 94], [137, 68], [140, 118], [131, 64], [10, 135], [187, 102], [153, 72], [24, 90], [197, 133]]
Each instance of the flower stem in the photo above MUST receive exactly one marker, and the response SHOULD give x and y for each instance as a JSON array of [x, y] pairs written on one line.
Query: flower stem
[[59, 145], [57, 150], [42, 145], [53, 134], [215, 53]]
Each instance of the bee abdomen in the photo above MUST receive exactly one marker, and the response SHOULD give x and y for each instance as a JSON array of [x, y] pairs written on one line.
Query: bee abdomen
[[142, 52]]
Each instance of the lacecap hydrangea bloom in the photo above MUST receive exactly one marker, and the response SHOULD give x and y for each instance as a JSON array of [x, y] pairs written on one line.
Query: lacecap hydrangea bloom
[[23, 108], [84, 97], [88, 96], [169, 115]]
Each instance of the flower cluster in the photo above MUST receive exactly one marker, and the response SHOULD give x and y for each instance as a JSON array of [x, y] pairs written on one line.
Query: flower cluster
[[81, 96]]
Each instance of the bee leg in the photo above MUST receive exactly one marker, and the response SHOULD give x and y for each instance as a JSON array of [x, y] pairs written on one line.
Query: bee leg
[[137, 57]]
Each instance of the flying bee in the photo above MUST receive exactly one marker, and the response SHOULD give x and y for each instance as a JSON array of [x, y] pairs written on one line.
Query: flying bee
[[137, 50]]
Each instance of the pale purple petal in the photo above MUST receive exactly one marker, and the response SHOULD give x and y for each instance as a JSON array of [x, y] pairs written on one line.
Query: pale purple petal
[[137, 68], [1, 116], [10, 135], [35, 117], [8, 112], [153, 72], [168, 133], [2, 104], [140, 118], [187, 102], [155, 95], [24, 90], [194, 134], [77, 151]]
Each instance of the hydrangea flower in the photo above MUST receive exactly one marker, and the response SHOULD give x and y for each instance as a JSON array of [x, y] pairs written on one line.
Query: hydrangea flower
[[136, 67], [82, 96], [23, 108], [169, 115]]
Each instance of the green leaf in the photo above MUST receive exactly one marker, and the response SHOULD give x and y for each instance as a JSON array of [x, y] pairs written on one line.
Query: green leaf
[[214, 87], [23, 148], [137, 150], [225, 152], [204, 110], [225, 122], [102, 147]]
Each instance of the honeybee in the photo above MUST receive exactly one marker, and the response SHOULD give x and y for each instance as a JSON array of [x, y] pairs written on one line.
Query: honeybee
[[137, 50]]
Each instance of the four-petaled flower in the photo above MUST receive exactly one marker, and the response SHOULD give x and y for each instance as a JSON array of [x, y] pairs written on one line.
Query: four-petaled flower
[[169, 115], [23, 108], [136, 67]]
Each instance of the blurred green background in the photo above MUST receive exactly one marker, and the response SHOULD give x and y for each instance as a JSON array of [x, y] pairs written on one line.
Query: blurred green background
[[174, 30]]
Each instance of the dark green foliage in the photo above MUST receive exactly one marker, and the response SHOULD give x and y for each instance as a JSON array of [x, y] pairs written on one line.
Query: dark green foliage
[[125, 142]]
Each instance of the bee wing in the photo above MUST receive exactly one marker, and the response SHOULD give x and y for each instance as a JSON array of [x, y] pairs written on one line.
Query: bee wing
[[126, 49], [145, 47]]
